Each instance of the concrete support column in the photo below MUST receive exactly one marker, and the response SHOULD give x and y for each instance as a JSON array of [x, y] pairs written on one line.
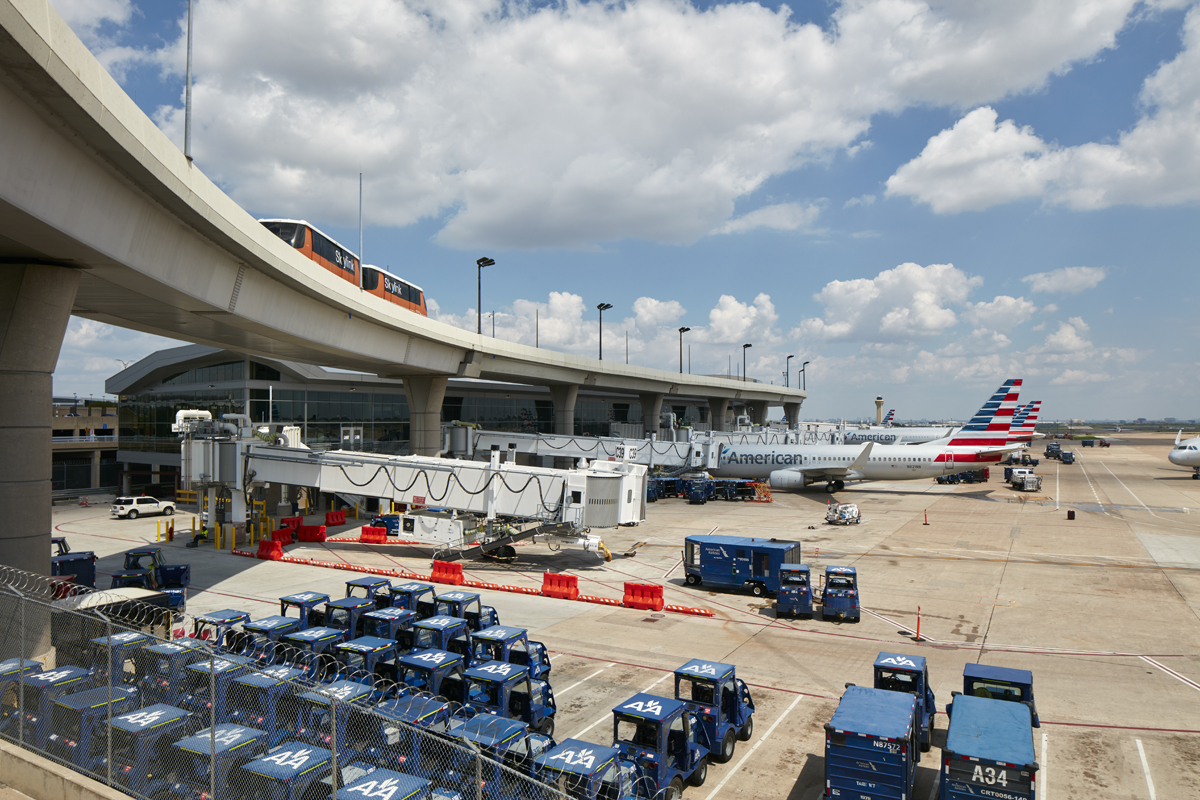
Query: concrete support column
[[154, 476], [95, 484], [564, 408], [425, 396], [35, 306], [757, 412], [718, 410], [792, 412], [651, 410]]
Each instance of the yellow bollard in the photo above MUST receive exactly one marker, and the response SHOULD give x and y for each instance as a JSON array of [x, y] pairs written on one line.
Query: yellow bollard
[[158, 531], [193, 527]]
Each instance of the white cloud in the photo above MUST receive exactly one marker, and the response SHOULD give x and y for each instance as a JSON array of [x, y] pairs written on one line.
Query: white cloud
[[734, 321], [782, 217], [979, 163], [93, 351], [900, 304], [1079, 376], [862, 200], [531, 125], [1004, 312], [651, 313], [1067, 280]]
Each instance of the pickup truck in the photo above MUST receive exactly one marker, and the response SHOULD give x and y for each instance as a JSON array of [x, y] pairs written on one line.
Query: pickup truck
[[133, 507]]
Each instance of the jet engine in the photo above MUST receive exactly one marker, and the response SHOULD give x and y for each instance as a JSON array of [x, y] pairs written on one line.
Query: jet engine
[[784, 479]]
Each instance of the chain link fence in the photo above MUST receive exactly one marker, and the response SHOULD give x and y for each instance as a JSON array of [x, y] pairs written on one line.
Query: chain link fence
[[94, 681]]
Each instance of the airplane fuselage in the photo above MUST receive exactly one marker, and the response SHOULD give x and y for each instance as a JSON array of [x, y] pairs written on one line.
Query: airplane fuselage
[[885, 462], [881, 435], [1186, 454]]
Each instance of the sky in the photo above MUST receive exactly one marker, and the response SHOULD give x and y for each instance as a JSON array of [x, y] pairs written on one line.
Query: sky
[[920, 199]]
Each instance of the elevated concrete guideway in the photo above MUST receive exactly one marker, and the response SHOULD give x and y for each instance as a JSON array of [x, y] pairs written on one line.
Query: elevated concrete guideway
[[93, 193]]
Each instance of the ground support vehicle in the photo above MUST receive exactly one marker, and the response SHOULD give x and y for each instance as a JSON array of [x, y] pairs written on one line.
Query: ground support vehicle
[[367, 659], [1053, 450], [134, 507], [1068, 457], [216, 628], [382, 784], [266, 700], [161, 669], [795, 591], [871, 746], [839, 595], [139, 742], [1105, 443], [204, 762], [989, 752], [591, 772], [506, 690], [660, 736], [899, 673], [842, 513], [12, 671], [1088, 443], [511, 645], [171, 579], [505, 741], [369, 587], [737, 562], [75, 621], [317, 719], [1027, 482], [346, 614], [435, 672], [287, 773], [721, 702], [412, 747], [305, 604], [111, 656], [201, 678], [391, 623], [312, 651], [443, 633], [997, 683], [411, 596], [81, 565], [468, 606], [39, 690], [264, 637], [77, 722]]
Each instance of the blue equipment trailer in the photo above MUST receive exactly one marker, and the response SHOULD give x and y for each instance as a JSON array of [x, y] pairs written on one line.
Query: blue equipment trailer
[[82, 565], [305, 604], [737, 562], [500, 643], [660, 736], [899, 673], [998, 683], [871, 749], [989, 752], [721, 702], [839, 597], [204, 762], [795, 591]]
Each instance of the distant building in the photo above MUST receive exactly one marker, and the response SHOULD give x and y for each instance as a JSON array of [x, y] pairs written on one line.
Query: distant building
[[1168, 419]]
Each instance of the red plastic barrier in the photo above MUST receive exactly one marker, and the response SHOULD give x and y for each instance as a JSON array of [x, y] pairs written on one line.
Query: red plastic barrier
[[283, 535], [646, 596], [564, 587], [291, 522], [447, 572], [335, 518], [269, 551], [310, 533], [370, 535]]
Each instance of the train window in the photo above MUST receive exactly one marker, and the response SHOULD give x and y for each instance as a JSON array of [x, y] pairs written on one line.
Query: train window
[[290, 232], [415, 296], [370, 278], [332, 253]]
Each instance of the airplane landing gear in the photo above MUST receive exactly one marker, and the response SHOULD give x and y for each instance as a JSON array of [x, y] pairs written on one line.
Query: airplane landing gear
[[835, 486]]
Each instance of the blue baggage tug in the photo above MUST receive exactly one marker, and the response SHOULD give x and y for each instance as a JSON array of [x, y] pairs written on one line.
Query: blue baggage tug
[[839, 598], [384, 784], [412, 596], [900, 673], [285, 774], [505, 741], [138, 748], [369, 587], [367, 659], [506, 690], [511, 645], [391, 623], [312, 650], [871, 745], [40, 690], [795, 591], [205, 762], [989, 752], [77, 725], [346, 614], [217, 629], [110, 654], [721, 702], [468, 606], [200, 678], [435, 672], [660, 736], [316, 719], [264, 637], [267, 701], [452, 634], [161, 667], [998, 683], [737, 562], [305, 605], [11, 671], [590, 772]]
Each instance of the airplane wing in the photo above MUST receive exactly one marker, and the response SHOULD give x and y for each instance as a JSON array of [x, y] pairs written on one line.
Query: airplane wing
[[843, 472]]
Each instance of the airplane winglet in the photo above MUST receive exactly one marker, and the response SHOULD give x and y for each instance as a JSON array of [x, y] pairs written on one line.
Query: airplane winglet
[[1178, 435], [861, 461]]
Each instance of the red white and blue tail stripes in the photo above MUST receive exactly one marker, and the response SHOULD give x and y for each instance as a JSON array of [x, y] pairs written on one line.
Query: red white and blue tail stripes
[[1024, 422], [987, 429], [890, 416]]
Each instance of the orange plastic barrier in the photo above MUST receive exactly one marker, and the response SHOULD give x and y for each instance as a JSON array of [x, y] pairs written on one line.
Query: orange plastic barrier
[[269, 551], [283, 535], [310, 533], [697, 612], [371, 535], [335, 518], [447, 572], [291, 522], [564, 587], [646, 596]]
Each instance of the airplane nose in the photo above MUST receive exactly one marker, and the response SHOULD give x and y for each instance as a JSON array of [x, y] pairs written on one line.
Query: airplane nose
[[1174, 459]]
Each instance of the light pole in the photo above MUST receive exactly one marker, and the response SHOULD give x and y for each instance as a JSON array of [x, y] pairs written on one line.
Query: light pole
[[602, 307], [745, 347], [480, 263], [802, 378], [786, 369], [682, 331]]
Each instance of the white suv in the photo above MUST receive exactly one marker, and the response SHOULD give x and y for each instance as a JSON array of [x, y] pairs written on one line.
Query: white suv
[[133, 507]]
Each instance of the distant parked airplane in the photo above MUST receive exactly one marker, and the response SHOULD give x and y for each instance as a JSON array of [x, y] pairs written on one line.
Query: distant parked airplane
[[1186, 453]]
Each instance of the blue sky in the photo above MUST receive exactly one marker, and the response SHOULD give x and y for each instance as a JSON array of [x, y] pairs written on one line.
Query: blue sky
[[921, 199]]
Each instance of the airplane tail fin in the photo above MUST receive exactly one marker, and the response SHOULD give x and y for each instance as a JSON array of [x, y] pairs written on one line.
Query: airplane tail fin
[[990, 425], [890, 416], [1024, 422]]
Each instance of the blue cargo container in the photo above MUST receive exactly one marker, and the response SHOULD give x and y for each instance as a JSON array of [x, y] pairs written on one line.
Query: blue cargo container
[[988, 752], [737, 562], [871, 749]]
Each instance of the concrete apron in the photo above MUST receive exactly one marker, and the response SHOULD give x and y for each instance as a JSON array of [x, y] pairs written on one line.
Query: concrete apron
[[35, 306]]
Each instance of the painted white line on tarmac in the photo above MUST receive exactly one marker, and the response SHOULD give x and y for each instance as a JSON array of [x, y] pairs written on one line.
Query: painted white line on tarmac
[[1056, 468], [1171, 672], [609, 716], [750, 752], [1126, 488], [1093, 488], [673, 568], [1044, 784], [585, 680], [1146, 770], [937, 777]]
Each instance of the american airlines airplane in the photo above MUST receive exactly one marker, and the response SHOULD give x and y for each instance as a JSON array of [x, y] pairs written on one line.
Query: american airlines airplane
[[980, 442], [1186, 453], [1024, 420]]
